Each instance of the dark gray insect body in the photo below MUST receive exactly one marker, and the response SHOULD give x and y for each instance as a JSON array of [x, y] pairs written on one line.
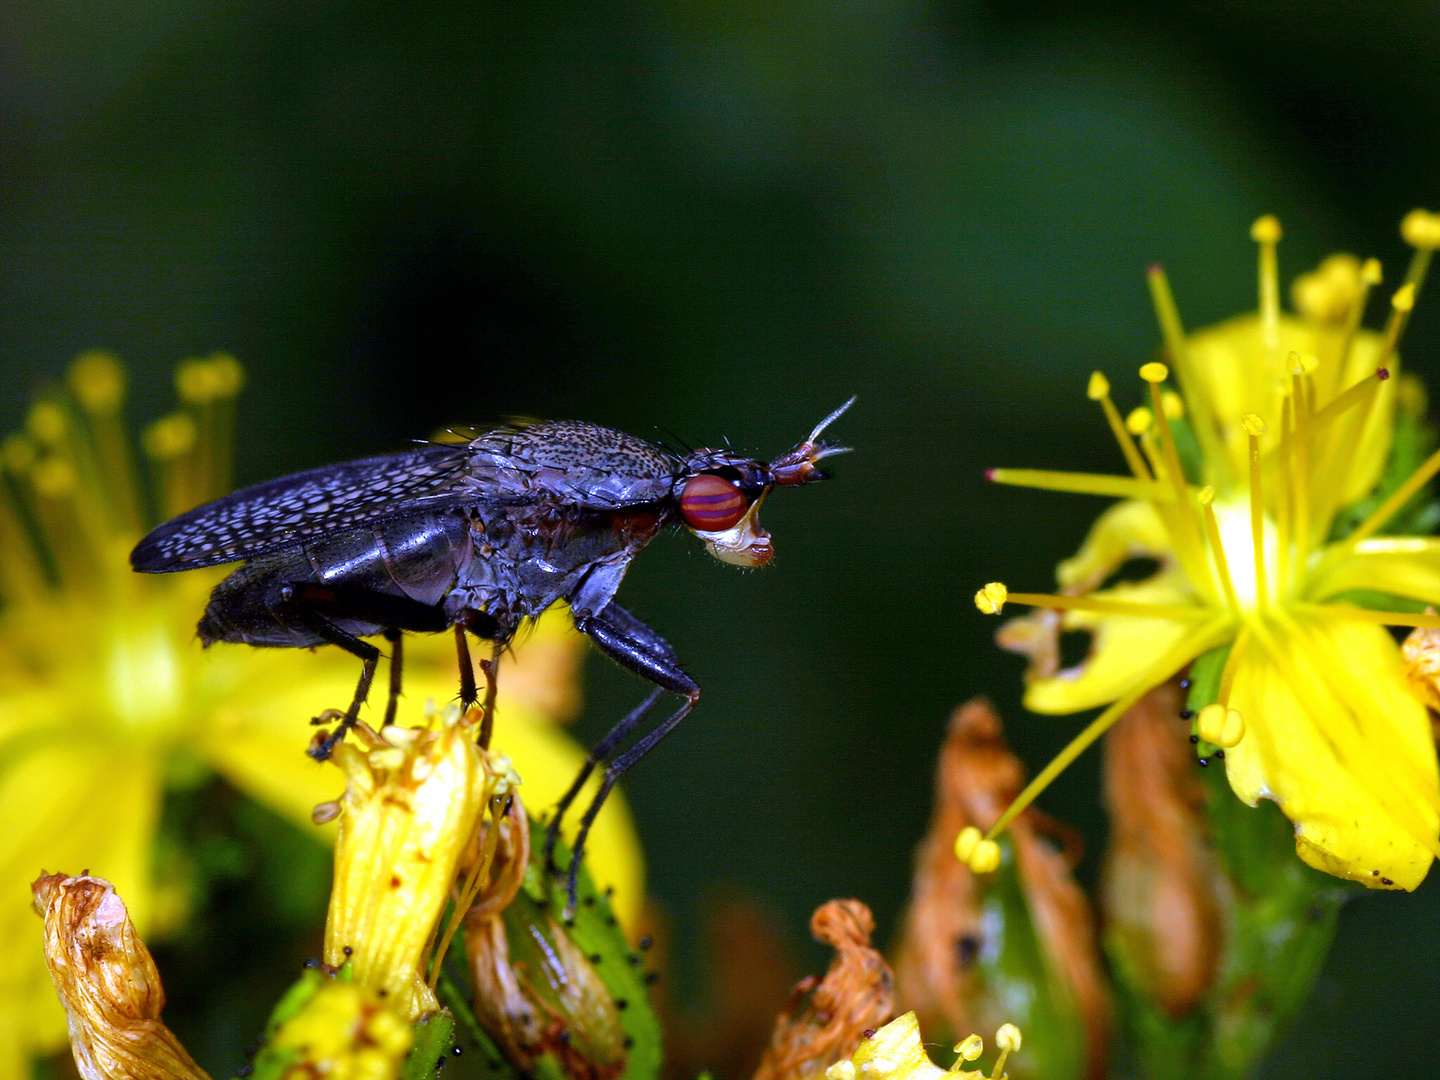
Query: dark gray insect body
[[477, 536]]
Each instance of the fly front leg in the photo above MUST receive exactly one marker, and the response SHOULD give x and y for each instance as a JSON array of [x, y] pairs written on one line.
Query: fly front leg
[[634, 646]]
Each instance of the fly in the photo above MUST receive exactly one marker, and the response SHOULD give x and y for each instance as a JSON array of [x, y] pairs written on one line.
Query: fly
[[478, 537]]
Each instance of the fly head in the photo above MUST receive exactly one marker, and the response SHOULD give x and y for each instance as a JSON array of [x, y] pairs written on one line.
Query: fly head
[[720, 492]]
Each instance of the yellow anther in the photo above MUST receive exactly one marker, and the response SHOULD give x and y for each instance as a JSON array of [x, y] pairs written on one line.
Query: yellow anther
[[98, 380], [1404, 298], [169, 437], [53, 477], [18, 453], [1370, 272], [1099, 386], [1206, 495], [985, 859], [991, 599], [965, 843], [1008, 1038], [192, 381], [1253, 425], [1139, 420], [1221, 726], [1173, 404], [1421, 229], [1266, 230], [1154, 372], [227, 377], [1303, 363], [47, 423], [970, 1048]]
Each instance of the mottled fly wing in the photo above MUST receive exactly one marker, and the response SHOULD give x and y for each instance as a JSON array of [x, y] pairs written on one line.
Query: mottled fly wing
[[282, 512]]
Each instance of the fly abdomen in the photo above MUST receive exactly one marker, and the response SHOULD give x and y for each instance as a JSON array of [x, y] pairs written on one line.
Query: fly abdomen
[[362, 581]]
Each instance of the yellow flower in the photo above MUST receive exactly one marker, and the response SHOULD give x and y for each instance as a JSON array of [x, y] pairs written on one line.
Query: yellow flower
[[412, 806], [1265, 545], [105, 690], [895, 1052]]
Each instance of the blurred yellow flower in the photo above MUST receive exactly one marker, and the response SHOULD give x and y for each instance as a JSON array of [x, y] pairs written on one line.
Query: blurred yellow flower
[[1269, 543], [105, 691]]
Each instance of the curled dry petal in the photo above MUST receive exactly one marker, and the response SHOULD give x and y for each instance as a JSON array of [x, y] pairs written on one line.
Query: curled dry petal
[[938, 963], [826, 1018], [108, 984], [536, 992], [1421, 653], [1162, 910]]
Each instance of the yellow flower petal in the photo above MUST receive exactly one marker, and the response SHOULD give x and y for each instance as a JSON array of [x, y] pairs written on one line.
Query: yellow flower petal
[[1318, 768], [1401, 565]]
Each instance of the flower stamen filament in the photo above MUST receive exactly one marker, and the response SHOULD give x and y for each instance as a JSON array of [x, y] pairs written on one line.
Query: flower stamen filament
[[1099, 390]]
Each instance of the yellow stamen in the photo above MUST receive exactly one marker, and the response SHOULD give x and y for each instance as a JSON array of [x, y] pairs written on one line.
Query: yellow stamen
[[1352, 613], [1179, 522], [1370, 276], [991, 599], [1421, 230], [1285, 504], [970, 1048], [1254, 428], [1266, 233], [1361, 392], [1300, 459], [1398, 498], [1217, 549], [97, 380], [1168, 315], [985, 859], [1119, 487], [1222, 726], [1232, 664], [1007, 1038], [1099, 390], [1401, 304], [1104, 605], [169, 443], [965, 842]]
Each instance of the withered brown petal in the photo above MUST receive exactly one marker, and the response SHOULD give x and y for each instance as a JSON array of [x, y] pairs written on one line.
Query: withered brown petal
[[108, 984], [826, 1018], [937, 972], [1159, 891]]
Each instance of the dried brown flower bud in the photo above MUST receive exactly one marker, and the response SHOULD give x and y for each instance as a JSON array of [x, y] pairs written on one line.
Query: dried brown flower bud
[[536, 992], [1162, 911], [827, 1017], [108, 984], [945, 960]]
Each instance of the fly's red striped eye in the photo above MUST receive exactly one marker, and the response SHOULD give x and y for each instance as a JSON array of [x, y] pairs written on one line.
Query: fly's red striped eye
[[711, 504]]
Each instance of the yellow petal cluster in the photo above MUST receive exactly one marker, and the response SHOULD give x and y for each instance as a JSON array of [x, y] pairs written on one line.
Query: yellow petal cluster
[[412, 806], [1285, 423]]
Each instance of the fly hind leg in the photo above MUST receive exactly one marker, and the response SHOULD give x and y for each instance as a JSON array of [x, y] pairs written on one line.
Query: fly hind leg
[[634, 646], [318, 606]]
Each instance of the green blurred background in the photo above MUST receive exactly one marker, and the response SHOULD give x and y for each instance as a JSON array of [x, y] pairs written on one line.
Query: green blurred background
[[721, 220]]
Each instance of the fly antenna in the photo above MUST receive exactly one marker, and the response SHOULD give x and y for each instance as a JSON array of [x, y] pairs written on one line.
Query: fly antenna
[[798, 466]]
